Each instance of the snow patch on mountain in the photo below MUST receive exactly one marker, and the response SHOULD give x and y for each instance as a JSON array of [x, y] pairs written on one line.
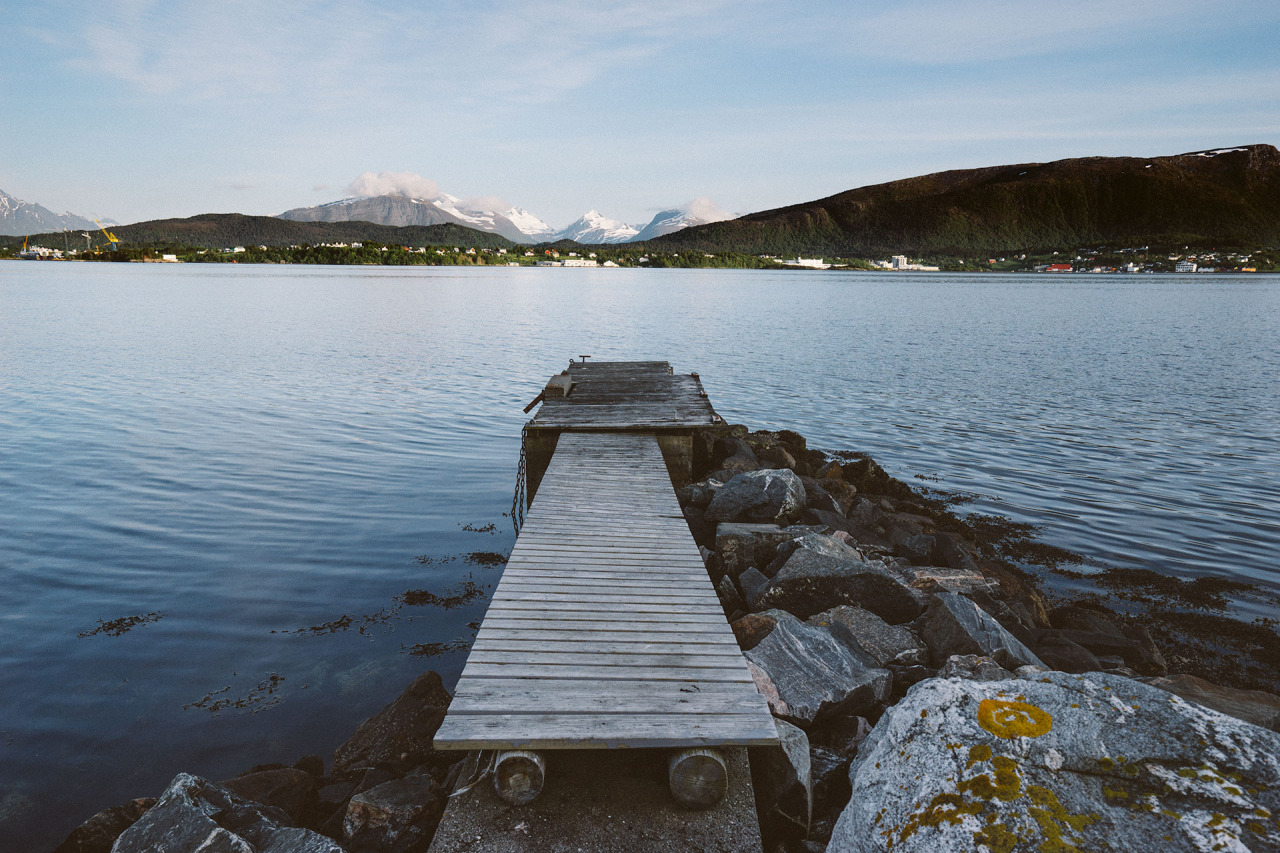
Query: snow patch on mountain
[[700, 211], [24, 217], [592, 227]]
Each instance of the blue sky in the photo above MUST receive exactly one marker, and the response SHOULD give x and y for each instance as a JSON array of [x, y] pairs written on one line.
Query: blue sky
[[140, 110]]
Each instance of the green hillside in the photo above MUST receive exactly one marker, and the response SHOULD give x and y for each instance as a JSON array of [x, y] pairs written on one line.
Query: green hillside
[[225, 230], [1223, 197]]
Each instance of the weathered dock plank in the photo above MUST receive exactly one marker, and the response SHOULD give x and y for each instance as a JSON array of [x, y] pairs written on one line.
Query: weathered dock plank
[[604, 630]]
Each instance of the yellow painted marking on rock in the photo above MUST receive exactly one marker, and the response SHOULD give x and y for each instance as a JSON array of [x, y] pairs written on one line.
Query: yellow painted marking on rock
[[1009, 720]]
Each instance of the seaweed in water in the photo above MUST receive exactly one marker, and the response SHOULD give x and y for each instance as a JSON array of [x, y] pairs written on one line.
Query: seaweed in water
[[489, 528], [1205, 593], [260, 698], [464, 593], [428, 560], [116, 627], [487, 559], [434, 650]]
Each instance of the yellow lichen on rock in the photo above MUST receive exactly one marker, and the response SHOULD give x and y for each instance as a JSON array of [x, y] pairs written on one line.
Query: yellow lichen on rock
[[1009, 720]]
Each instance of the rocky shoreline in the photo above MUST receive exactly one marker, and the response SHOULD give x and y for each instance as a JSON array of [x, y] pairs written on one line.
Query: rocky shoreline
[[928, 696]]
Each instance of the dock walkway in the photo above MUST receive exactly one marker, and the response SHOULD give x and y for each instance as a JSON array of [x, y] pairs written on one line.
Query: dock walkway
[[605, 630]]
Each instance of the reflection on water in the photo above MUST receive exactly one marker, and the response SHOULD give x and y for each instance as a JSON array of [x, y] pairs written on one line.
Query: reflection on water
[[248, 450]]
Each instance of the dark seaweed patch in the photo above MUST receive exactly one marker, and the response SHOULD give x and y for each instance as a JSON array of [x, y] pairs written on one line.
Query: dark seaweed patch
[[485, 528], [1205, 593], [487, 559], [464, 593], [260, 698], [116, 627], [434, 650]]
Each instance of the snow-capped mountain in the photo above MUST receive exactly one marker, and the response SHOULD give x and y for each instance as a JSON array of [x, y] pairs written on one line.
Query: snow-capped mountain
[[595, 228], [400, 210], [530, 224], [23, 217], [517, 224], [669, 221]]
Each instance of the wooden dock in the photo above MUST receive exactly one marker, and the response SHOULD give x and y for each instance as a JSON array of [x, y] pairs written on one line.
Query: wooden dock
[[605, 631]]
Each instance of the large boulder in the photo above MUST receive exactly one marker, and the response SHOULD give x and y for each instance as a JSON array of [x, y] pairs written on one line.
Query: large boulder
[[399, 815], [954, 625], [771, 495], [291, 790], [401, 732], [1060, 762], [197, 816], [823, 573], [807, 674], [1253, 706], [868, 634]]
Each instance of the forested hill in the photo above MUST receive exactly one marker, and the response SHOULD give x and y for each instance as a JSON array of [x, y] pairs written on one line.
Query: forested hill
[[225, 230], [1225, 197]]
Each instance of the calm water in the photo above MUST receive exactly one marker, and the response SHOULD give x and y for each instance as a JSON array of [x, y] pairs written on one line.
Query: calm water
[[252, 450]]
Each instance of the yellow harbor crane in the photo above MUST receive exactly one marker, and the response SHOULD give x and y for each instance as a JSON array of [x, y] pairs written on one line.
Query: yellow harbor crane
[[113, 239]]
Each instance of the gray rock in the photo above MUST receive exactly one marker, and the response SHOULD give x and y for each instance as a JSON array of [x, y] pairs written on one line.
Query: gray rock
[[396, 815], [776, 456], [698, 494], [288, 789], [751, 582], [807, 674], [400, 732], [1252, 706], [773, 495], [868, 634], [1061, 654], [1138, 652], [197, 816], [742, 545], [818, 498], [1060, 762], [973, 668], [916, 548], [783, 781], [825, 573], [953, 552], [954, 625], [730, 601]]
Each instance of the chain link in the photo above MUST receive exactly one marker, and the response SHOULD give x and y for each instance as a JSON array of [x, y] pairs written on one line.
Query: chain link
[[518, 499]]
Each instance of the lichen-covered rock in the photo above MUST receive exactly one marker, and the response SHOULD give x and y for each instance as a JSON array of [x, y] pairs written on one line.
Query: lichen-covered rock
[[771, 495], [823, 573], [400, 732], [954, 625], [807, 674], [1060, 762], [867, 633], [196, 816]]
